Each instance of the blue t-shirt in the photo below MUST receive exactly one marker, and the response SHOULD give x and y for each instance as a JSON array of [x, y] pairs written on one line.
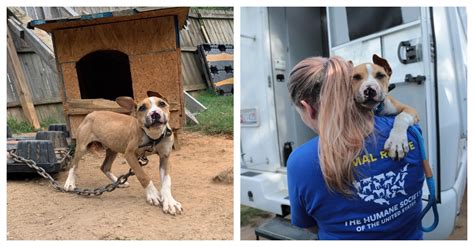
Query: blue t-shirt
[[387, 199]]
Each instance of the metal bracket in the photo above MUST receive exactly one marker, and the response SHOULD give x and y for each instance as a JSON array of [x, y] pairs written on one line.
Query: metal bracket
[[419, 79]]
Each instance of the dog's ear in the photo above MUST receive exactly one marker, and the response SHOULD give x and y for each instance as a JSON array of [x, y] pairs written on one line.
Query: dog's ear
[[127, 103], [351, 63], [383, 63], [155, 94]]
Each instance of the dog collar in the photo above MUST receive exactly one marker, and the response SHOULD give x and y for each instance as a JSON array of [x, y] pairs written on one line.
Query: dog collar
[[379, 108], [153, 142]]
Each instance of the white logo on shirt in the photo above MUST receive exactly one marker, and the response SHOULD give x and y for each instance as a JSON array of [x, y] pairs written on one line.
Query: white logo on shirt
[[382, 187]]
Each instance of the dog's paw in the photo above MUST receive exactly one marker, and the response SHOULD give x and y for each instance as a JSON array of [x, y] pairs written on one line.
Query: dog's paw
[[396, 144], [152, 195], [69, 185], [171, 206]]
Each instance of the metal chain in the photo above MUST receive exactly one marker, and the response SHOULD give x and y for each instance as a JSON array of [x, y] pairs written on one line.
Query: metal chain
[[83, 192], [65, 154]]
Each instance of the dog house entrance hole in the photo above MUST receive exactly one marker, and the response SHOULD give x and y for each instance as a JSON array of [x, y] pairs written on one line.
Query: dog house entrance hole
[[104, 74]]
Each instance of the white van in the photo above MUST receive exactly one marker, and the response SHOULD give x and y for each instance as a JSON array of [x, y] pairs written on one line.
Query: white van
[[426, 48]]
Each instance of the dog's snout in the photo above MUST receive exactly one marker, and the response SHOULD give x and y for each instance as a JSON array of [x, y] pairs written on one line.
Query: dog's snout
[[370, 92], [155, 115]]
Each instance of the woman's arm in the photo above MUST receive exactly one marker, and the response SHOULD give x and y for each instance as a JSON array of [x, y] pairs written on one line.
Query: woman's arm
[[295, 174]]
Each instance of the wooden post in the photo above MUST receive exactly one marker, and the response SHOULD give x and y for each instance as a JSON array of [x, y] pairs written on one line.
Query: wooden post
[[34, 42], [20, 83]]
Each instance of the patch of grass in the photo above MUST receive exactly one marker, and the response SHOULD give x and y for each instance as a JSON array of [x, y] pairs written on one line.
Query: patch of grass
[[218, 118], [248, 215], [17, 127]]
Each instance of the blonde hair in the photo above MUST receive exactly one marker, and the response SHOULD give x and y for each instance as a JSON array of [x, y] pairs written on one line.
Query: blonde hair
[[325, 84]]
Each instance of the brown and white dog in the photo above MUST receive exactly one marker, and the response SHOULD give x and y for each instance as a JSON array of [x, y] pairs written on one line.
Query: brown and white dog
[[145, 131], [370, 83]]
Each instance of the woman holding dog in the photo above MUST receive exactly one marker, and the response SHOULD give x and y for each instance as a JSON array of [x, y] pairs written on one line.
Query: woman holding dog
[[342, 183]]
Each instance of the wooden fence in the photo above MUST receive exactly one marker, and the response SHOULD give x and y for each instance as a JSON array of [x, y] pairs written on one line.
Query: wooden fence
[[43, 85]]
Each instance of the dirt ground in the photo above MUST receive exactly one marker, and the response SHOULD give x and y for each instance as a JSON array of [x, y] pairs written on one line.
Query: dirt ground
[[460, 231], [36, 211]]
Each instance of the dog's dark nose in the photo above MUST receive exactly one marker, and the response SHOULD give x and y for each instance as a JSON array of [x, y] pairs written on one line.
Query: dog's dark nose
[[155, 115], [370, 93]]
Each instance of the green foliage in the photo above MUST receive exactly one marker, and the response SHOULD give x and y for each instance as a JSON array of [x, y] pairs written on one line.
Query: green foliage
[[17, 127], [218, 118], [248, 215]]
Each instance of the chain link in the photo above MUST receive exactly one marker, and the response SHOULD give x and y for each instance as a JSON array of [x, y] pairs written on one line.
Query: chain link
[[83, 192], [65, 154]]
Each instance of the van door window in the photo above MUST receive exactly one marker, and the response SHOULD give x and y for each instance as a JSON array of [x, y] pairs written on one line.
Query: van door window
[[351, 23], [365, 21]]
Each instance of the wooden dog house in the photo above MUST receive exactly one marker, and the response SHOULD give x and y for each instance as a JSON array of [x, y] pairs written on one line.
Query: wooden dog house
[[124, 53]]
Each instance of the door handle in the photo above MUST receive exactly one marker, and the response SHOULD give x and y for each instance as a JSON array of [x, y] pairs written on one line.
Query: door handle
[[411, 53], [419, 79]]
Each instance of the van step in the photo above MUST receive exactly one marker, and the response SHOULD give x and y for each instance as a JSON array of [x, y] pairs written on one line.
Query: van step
[[250, 174], [280, 228]]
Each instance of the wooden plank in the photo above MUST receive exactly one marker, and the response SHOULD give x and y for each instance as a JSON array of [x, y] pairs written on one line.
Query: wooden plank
[[11, 93], [47, 12], [17, 114], [21, 84], [180, 92], [37, 102], [66, 23], [220, 57], [188, 49], [56, 12], [192, 73], [217, 32], [195, 87], [190, 116], [92, 103], [45, 112], [86, 106], [42, 80], [20, 44], [35, 43], [70, 11], [192, 104], [24, 19], [133, 38], [73, 123], [205, 34], [211, 15], [85, 111], [192, 36], [51, 111]]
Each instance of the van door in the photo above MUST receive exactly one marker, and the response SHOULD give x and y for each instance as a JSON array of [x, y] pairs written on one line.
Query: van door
[[259, 148], [292, 40], [356, 33]]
